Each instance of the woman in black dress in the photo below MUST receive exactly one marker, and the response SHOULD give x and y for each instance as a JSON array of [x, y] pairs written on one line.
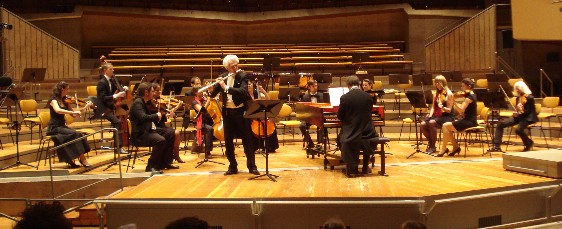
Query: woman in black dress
[[468, 109], [257, 93], [60, 132]]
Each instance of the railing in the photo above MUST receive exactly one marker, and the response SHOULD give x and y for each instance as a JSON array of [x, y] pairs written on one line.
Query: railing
[[445, 30], [506, 68], [543, 75]]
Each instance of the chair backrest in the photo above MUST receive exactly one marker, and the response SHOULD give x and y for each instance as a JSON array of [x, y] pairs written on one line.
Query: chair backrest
[[479, 107], [285, 111], [273, 95], [405, 85], [484, 113], [276, 87], [92, 90], [377, 85], [192, 114], [551, 102], [513, 81], [419, 110], [538, 107], [483, 83], [44, 117], [28, 105]]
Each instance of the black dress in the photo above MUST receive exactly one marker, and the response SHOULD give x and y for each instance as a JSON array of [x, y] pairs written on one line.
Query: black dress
[[60, 133], [469, 119]]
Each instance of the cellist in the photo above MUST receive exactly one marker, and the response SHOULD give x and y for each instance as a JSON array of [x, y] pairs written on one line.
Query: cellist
[[204, 122], [257, 93], [525, 114]]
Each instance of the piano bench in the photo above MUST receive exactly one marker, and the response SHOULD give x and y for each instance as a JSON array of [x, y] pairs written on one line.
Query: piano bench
[[380, 141]]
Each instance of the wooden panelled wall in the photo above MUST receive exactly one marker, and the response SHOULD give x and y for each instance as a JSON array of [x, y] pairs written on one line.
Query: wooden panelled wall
[[26, 46], [470, 46]]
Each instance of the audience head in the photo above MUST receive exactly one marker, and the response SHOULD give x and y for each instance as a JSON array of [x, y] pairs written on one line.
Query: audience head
[[367, 85], [188, 223], [469, 83], [57, 89], [521, 88], [195, 81], [44, 216], [442, 81], [352, 81], [230, 63], [411, 224], [312, 86], [334, 223]]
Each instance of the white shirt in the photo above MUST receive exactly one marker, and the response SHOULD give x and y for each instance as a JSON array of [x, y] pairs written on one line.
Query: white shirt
[[229, 84]]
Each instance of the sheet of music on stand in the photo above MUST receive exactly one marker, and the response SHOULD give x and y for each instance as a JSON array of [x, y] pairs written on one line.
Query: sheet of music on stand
[[336, 93]]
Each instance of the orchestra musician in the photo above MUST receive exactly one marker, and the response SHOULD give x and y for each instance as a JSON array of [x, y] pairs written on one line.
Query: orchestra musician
[[525, 114], [355, 113], [204, 122], [233, 87], [60, 132], [437, 116], [162, 122], [313, 96], [195, 82], [367, 86], [261, 93], [145, 133], [106, 87], [468, 109]]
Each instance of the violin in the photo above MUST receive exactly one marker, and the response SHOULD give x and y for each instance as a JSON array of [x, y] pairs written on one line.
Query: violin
[[73, 100], [462, 94]]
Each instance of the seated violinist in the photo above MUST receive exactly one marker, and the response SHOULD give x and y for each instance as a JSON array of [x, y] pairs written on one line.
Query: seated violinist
[[260, 93], [367, 86], [525, 114], [60, 132], [162, 122], [203, 121], [443, 100]]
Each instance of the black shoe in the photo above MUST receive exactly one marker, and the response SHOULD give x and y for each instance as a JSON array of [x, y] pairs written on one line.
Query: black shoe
[[366, 170], [171, 167], [529, 146], [455, 151], [72, 165], [495, 149], [208, 156], [84, 164], [230, 172], [255, 172], [441, 154]]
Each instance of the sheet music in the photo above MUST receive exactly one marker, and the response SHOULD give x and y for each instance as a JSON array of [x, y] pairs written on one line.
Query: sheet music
[[336, 93]]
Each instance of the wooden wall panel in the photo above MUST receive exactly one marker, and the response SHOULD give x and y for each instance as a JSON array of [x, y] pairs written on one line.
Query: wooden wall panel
[[468, 47], [30, 47]]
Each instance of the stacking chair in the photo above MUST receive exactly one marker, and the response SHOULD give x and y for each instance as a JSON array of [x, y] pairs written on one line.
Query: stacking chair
[[410, 122], [5, 121], [550, 102], [28, 106], [401, 93], [482, 83], [45, 117], [538, 108], [285, 112], [133, 149], [92, 92]]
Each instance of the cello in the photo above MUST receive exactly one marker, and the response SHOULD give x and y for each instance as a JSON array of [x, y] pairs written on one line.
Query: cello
[[259, 126], [119, 102]]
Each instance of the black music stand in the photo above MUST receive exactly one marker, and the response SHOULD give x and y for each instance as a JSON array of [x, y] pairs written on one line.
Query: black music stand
[[323, 79], [495, 100], [174, 87], [452, 76], [395, 79], [15, 93], [289, 94], [264, 109], [418, 101], [186, 91], [288, 80], [33, 76], [497, 80]]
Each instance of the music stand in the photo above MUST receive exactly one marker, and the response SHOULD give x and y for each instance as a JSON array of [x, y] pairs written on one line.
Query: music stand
[[359, 57], [323, 79], [452, 76], [497, 80], [264, 109], [175, 87], [289, 94], [288, 80], [33, 75], [395, 79], [15, 93], [186, 91], [417, 100], [269, 62]]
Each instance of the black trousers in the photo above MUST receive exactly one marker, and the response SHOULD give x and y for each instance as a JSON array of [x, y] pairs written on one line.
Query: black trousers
[[522, 124], [307, 139], [115, 123], [234, 125], [351, 150], [162, 142]]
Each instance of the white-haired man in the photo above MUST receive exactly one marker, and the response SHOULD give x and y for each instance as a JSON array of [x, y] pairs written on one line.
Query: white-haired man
[[524, 115]]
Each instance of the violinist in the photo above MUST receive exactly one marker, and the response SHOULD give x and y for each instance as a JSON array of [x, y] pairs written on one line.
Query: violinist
[[367, 86], [60, 132], [468, 109], [204, 122], [106, 87], [525, 114], [159, 105], [443, 98], [233, 87], [257, 93], [145, 133]]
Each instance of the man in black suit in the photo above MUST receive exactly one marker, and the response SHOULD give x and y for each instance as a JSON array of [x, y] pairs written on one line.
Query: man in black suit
[[145, 132], [233, 87], [524, 115], [357, 128], [315, 97], [106, 87]]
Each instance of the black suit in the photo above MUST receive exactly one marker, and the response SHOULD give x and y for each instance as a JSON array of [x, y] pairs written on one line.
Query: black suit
[[105, 106], [357, 128], [161, 139], [234, 122], [529, 116], [305, 126]]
